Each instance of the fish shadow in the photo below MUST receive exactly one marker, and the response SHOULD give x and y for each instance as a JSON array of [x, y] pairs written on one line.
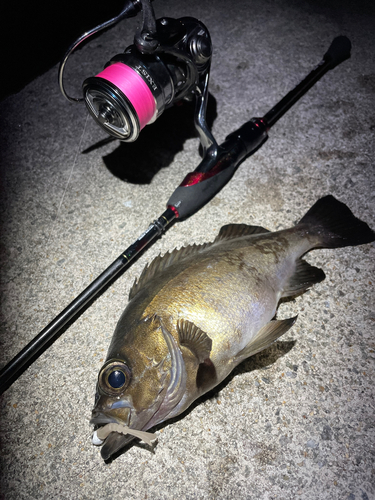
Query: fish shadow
[[139, 161], [260, 361]]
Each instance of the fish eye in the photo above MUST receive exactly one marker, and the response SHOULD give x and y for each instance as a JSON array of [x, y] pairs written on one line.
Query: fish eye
[[114, 377]]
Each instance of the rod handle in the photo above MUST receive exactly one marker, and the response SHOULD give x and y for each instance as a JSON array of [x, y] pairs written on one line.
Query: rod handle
[[201, 185]]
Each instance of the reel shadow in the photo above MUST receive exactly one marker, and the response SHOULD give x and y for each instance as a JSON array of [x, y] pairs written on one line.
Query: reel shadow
[[137, 162]]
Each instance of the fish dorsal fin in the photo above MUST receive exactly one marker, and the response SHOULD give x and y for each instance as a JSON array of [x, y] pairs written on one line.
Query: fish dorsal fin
[[161, 263], [194, 339], [231, 231], [265, 337]]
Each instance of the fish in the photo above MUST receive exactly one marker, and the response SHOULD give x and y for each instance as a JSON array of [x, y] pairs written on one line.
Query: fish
[[197, 312]]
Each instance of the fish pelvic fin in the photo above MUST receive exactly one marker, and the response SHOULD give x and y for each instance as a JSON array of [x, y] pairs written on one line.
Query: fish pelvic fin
[[265, 337], [195, 339], [303, 278], [336, 225]]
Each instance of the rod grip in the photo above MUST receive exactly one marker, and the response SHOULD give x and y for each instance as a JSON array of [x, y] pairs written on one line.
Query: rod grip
[[213, 173]]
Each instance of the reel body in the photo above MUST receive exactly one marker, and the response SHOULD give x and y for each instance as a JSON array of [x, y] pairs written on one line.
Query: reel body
[[135, 88], [166, 63]]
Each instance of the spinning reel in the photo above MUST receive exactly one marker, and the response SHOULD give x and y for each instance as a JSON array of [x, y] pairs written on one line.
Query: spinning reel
[[169, 61]]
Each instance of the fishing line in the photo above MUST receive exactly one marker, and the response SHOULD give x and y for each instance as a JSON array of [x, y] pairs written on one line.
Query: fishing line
[[66, 187], [69, 178], [73, 166], [65, 190]]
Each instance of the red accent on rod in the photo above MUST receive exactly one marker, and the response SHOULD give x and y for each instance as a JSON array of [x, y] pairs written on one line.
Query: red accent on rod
[[264, 123], [193, 178], [174, 209]]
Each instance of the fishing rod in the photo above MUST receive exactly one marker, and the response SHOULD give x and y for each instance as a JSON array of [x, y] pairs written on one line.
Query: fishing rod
[[169, 61]]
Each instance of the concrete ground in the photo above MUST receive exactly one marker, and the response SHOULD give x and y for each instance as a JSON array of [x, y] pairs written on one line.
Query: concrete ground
[[295, 421]]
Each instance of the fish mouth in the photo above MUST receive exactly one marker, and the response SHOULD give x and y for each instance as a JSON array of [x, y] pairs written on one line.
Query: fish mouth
[[99, 419], [115, 441]]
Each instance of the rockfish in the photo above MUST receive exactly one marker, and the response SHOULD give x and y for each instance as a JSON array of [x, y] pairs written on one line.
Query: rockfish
[[196, 313]]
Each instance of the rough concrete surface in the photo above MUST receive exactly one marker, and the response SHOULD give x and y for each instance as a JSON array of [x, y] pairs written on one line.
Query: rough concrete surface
[[297, 420]]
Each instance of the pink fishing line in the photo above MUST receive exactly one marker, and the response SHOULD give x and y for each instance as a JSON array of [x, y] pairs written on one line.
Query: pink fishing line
[[135, 89]]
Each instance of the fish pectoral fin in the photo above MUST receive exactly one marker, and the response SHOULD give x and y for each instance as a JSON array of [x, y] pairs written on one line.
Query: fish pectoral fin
[[303, 278], [195, 339], [231, 231], [265, 337]]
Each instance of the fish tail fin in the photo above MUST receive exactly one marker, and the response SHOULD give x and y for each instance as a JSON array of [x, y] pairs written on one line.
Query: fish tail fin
[[336, 225]]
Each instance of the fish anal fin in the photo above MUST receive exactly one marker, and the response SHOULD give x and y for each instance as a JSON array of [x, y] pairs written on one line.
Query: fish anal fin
[[303, 278], [231, 231], [195, 339], [265, 337]]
